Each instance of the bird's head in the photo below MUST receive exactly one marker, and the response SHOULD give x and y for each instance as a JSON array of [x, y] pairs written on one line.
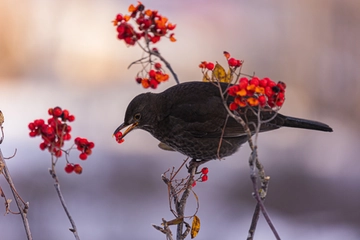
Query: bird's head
[[139, 114]]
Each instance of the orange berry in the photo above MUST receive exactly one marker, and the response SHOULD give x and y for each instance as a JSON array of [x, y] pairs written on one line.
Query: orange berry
[[77, 169]]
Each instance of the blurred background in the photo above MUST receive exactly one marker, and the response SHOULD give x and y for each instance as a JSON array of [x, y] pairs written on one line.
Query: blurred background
[[65, 53]]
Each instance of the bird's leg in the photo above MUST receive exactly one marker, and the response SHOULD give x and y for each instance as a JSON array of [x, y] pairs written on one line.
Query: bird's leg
[[195, 163]]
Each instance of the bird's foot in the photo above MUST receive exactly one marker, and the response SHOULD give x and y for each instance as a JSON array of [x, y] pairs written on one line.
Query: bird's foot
[[194, 163]]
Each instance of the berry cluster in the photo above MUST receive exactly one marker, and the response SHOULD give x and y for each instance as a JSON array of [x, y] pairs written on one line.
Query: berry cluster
[[84, 146], [70, 167], [153, 77], [203, 177], [251, 92], [119, 137], [55, 131], [151, 25], [255, 92], [232, 62]]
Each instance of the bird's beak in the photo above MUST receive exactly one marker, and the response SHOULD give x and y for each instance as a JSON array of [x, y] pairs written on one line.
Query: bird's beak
[[122, 126]]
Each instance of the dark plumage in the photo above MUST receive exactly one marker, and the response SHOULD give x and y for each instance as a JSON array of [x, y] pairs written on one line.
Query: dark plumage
[[190, 118]]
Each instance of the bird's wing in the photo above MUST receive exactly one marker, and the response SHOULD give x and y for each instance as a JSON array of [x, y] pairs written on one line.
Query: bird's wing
[[202, 113]]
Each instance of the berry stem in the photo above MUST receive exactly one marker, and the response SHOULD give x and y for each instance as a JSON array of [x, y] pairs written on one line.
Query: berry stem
[[61, 198]]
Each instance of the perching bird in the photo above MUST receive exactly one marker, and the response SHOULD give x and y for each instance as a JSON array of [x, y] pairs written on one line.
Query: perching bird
[[192, 119]]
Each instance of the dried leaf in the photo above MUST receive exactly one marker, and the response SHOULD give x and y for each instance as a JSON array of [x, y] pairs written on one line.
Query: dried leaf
[[195, 227], [175, 221], [219, 74], [1, 118]]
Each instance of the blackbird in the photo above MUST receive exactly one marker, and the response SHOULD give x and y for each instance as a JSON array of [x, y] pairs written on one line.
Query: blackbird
[[191, 118]]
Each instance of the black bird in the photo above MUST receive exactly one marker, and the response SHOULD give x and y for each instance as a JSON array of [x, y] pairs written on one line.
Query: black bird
[[192, 119]]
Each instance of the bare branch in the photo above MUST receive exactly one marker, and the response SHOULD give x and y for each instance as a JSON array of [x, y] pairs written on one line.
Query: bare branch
[[22, 206], [62, 200]]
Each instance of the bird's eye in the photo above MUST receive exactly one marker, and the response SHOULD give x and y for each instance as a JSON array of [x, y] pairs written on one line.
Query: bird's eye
[[137, 116]]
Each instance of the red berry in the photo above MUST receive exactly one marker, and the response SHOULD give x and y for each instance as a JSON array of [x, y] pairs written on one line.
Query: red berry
[[279, 102], [50, 111], [243, 83], [282, 84], [65, 114], [210, 66], [77, 139], [193, 184], [67, 136], [32, 134], [31, 126], [57, 152], [157, 66], [152, 73], [69, 168], [119, 18], [49, 130], [233, 106], [57, 112], [233, 89], [263, 82], [83, 141], [83, 156], [268, 91], [254, 81], [153, 83], [271, 83], [232, 62], [155, 39], [262, 100], [77, 169], [71, 118], [281, 96], [68, 129], [91, 145], [43, 145], [204, 178], [138, 80], [205, 170], [39, 122]]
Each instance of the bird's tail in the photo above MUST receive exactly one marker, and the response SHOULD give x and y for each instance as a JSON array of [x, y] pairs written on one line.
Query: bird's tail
[[307, 124]]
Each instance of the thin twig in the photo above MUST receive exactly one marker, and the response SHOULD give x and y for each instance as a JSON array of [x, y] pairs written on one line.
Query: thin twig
[[254, 161], [263, 209], [62, 200], [22, 206], [167, 64], [180, 207]]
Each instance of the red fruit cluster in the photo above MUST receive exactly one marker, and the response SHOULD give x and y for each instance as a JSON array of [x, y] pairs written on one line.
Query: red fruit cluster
[[255, 92], [84, 146], [232, 62], [154, 77], [208, 65], [204, 172], [203, 177], [119, 137], [70, 167], [53, 132], [151, 25]]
